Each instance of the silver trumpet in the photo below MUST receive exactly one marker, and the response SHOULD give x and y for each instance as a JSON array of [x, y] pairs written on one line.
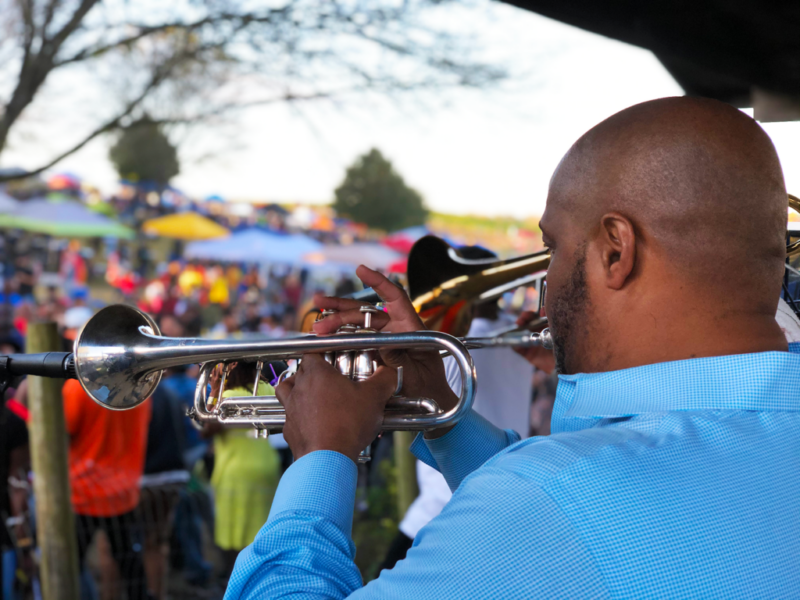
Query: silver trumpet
[[119, 357]]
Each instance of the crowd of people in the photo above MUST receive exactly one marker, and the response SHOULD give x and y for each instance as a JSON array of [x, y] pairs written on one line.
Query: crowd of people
[[160, 505]]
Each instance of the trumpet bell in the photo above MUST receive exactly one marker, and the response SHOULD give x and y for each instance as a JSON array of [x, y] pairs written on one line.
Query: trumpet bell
[[107, 363]]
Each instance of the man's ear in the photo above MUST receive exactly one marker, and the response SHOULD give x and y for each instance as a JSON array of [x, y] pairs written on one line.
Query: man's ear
[[617, 241]]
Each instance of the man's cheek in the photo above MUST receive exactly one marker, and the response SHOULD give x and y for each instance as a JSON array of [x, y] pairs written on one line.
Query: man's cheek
[[552, 288]]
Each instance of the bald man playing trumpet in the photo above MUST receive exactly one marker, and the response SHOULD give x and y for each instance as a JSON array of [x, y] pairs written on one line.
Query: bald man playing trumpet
[[673, 470]]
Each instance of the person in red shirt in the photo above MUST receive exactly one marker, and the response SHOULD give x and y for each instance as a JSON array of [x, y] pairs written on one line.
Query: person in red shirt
[[106, 461]]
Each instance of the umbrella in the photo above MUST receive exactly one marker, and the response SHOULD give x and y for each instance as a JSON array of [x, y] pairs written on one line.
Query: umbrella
[[62, 219], [255, 245], [64, 181], [184, 226], [401, 266], [403, 240], [375, 256]]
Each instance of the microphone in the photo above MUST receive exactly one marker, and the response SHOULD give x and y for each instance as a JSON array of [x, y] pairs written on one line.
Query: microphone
[[58, 365]]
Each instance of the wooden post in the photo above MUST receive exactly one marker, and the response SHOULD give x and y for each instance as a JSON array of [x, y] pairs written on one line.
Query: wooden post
[[55, 523], [406, 466]]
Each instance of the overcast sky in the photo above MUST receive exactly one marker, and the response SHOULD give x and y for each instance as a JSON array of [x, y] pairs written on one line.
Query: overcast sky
[[479, 153]]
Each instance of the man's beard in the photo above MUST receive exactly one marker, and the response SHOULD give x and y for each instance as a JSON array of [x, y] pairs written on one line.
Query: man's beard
[[567, 311]]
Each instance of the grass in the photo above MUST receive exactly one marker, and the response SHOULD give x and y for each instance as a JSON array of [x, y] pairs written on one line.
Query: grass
[[506, 236]]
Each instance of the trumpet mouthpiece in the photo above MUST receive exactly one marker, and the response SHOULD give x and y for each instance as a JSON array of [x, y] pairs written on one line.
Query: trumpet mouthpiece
[[545, 339]]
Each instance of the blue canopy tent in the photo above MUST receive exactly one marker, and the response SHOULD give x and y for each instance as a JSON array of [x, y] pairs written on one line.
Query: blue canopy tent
[[255, 246]]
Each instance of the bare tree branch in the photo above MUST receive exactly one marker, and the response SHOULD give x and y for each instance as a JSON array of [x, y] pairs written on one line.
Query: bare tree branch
[[144, 31], [69, 28], [36, 67], [49, 13], [191, 70], [158, 77]]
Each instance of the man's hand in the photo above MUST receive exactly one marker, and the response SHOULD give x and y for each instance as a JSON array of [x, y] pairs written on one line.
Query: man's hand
[[327, 411], [423, 371], [541, 358]]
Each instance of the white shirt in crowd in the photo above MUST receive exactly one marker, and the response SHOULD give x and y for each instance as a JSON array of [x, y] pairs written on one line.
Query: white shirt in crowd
[[788, 322]]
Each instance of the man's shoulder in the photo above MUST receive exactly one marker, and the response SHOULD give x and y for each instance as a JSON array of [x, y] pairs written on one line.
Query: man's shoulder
[[649, 448], [545, 460], [661, 502]]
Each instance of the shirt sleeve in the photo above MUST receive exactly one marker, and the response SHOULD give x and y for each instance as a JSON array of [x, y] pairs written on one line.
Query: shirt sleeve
[[305, 550], [501, 536], [472, 442], [464, 448]]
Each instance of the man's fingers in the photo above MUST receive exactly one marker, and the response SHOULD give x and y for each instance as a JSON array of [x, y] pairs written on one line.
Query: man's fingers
[[400, 310], [333, 303], [313, 361], [387, 290], [331, 323], [398, 304], [381, 384], [394, 357], [316, 364], [284, 390]]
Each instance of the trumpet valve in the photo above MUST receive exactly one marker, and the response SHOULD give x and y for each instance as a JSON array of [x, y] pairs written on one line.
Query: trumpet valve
[[364, 364], [344, 363], [368, 311], [343, 360]]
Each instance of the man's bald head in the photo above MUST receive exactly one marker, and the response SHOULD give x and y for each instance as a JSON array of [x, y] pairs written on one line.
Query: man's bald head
[[698, 177], [677, 198]]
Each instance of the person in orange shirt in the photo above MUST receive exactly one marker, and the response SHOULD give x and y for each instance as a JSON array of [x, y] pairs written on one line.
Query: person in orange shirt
[[106, 460]]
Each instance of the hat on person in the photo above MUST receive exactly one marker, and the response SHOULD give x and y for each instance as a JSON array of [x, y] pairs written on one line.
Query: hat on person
[[12, 340], [74, 319]]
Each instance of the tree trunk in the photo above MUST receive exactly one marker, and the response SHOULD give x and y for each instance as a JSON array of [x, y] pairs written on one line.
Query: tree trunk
[[54, 517], [406, 466]]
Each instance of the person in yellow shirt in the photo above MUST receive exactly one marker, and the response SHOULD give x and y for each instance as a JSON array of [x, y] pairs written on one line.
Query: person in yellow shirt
[[219, 292], [246, 471], [189, 280]]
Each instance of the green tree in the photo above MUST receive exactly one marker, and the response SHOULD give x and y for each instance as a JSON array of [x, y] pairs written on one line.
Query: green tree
[[143, 153], [374, 193]]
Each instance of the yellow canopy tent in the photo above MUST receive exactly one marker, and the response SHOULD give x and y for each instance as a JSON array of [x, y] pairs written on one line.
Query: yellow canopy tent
[[185, 226]]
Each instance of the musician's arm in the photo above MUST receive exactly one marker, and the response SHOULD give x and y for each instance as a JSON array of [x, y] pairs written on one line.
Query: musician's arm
[[467, 446], [464, 449], [305, 549]]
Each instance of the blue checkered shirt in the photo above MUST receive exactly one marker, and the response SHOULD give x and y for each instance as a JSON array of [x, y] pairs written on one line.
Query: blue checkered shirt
[[674, 480]]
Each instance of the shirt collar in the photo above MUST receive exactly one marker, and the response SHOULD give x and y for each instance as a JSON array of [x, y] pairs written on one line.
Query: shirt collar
[[763, 381]]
